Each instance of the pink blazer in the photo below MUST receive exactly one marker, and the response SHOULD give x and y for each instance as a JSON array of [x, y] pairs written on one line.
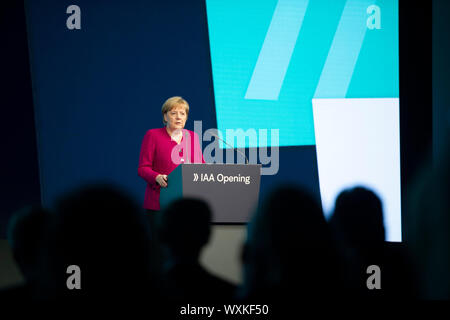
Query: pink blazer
[[160, 155]]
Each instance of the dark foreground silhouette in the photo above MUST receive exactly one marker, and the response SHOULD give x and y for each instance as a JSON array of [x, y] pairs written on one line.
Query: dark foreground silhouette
[[184, 229], [289, 255]]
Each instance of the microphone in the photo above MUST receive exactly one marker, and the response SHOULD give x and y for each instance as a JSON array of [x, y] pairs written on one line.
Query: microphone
[[246, 159]]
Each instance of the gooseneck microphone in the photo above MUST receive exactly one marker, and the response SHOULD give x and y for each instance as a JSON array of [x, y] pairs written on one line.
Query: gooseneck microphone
[[246, 159]]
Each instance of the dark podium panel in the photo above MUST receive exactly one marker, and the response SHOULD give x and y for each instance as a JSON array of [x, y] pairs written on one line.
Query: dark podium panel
[[231, 190]]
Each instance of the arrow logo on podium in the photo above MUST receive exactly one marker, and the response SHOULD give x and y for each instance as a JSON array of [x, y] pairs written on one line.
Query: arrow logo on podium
[[195, 177]]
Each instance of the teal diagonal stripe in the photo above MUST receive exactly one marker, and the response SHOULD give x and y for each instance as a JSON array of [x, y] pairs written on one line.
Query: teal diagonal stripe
[[338, 69], [276, 51]]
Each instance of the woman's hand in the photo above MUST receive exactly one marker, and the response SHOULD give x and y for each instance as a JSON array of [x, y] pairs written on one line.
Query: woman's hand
[[161, 179]]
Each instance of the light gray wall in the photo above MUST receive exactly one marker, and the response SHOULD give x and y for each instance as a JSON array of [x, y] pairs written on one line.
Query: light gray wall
[[9, 272], [222, 255]]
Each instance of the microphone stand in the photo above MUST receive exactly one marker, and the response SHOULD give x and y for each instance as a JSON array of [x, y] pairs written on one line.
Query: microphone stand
[[246, 159]]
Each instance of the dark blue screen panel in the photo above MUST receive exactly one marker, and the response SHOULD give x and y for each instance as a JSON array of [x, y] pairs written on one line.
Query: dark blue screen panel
[[98, 89]]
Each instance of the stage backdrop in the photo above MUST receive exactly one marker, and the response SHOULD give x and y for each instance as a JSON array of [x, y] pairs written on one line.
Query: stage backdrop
[[322, 72]]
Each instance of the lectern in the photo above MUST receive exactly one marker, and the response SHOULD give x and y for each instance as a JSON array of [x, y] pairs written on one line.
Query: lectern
[[231, 190]]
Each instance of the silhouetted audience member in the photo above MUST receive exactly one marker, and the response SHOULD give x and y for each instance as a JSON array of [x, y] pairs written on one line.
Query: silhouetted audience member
[[184, 229], [100, 230], [26, 232], [428, 226], [358, 224], [289, 255]]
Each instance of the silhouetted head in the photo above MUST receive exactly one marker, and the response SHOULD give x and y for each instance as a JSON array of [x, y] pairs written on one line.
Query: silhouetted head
[[289, 244], [101, 230], [26, 232], [288, 213], [358, 217], [184, 227]]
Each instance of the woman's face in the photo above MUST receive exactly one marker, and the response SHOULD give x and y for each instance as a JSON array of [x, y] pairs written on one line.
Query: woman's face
[[176, 118]]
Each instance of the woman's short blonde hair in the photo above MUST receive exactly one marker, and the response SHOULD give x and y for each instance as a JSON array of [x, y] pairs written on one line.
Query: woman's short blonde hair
[[172, 103]]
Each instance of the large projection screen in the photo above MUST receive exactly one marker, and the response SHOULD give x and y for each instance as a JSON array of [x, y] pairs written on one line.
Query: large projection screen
[[324, 73]]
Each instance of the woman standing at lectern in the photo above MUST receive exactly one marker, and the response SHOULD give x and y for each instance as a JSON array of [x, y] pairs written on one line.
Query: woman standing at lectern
[[163, 149]]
